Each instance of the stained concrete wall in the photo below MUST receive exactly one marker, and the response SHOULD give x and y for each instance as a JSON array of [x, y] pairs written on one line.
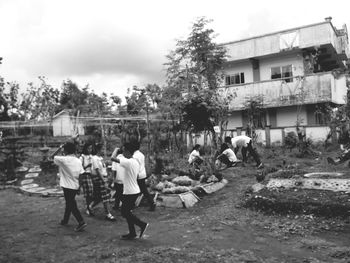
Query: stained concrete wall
[[287, 116], [245, 67], [235, 120], [307, 36], [296, 60]]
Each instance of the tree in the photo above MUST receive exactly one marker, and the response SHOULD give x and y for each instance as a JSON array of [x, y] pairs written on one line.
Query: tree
[[9, 100], [255, 112], [72, 97], [194, 71], [39, 103], [143, 100], [116, 100], [3, 102]]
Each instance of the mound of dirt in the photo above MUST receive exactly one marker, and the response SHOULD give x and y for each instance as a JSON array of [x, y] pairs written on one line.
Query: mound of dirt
[[300, 201]]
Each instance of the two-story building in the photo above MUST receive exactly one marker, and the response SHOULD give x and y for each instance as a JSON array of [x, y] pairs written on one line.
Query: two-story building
[[292, 73]]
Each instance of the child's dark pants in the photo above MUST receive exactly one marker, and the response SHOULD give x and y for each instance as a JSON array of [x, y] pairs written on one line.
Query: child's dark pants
[[71, 205], [128, 203]]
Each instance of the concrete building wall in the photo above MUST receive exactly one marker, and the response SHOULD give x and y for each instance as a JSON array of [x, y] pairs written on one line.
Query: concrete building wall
[[317, 134], [304, 37], [63, 125], [276, 136], [339, 89], [287, 116], [296, 60], [245, 67], [235, 120]]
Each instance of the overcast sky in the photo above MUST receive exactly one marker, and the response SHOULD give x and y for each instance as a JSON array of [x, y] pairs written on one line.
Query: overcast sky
[[113, 45]]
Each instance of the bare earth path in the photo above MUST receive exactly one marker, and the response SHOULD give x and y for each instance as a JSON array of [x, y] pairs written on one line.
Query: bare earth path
[[217, 229]]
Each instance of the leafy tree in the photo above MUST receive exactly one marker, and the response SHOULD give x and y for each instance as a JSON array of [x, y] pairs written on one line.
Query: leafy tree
[[255, 112], [194, 71], [116, 100], [143, 100], [72, 97], [3, 102], [39, 103], [134, 102], [8, 100], [154, 94]]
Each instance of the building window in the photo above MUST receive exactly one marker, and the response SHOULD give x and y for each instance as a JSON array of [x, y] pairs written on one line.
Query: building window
[[237, 78], [284, 72]]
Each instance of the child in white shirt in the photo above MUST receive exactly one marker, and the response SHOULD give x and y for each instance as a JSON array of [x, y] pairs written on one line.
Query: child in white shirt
[[70, 168], [99, 180], [131, 191]]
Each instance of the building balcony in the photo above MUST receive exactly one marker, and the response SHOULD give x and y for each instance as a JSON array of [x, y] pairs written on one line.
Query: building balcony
[[321, 35], [308, 89]]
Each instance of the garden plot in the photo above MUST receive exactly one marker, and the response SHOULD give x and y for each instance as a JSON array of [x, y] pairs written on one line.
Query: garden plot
[[183, 191], [325, 194]]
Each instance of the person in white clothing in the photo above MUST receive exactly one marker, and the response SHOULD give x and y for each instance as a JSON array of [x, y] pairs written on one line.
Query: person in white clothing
[[141, 179], [246, 144], [70, 168], [85, 180], [99, 181], [131, 191], [195, 158], [117, 174]]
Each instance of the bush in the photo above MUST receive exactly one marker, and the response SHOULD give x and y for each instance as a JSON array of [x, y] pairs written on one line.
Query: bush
[[291, 140]]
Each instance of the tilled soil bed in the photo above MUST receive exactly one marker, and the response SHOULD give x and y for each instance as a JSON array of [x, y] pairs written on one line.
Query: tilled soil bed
[[300, 201]]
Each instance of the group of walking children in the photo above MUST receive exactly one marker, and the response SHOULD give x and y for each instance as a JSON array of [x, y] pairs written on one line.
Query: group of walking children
[[89, 173], [94, 180]]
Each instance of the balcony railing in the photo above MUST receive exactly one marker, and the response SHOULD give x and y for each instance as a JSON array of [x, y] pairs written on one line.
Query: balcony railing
[[300, 38], [308, 89]]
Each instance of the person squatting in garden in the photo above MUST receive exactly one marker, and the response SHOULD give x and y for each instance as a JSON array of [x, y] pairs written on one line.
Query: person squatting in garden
[[85, 179], [99, 181], [195, 158], [141, 179], [344, 142], [117, 174], [131, 191], [227, 156], [70, 168], [246, 144]]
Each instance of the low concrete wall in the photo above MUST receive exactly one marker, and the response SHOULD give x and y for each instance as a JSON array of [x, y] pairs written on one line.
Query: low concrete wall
[[277, 135]]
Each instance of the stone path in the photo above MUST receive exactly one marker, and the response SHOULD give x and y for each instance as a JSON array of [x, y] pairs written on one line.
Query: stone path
[[29, 187]]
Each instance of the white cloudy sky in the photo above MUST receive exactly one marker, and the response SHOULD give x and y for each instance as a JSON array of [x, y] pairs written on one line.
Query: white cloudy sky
[[113, 45]]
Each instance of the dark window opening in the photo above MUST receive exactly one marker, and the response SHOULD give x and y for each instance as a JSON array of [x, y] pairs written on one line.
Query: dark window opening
[[235, 79], [284, 72]]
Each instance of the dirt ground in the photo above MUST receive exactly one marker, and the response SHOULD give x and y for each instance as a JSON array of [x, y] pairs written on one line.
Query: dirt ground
[[217, 229]]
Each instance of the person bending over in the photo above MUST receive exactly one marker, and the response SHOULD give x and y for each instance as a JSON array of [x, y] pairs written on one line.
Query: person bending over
[[246, 144]]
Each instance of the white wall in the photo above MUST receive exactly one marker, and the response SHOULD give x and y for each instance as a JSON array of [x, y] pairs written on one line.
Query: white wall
[[261, 136], [245, 67], [317, 133], [235, 120], [296, 60], [276, 136], [287, 116], [62, 125]]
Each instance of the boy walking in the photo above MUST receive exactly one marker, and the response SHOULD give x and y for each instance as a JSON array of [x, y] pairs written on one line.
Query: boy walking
[[131, 191], [70, 168], [141, 179]]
